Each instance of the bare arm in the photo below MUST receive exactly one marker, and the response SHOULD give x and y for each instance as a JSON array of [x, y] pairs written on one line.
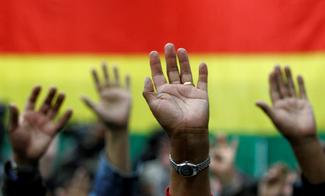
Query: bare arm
[[293, 116], [113, 111], [182, 109]]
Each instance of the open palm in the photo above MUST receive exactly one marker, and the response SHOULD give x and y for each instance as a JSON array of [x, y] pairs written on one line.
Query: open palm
[[177, 105], [115, 101], [180, 107], [291, 111], [31, 136]]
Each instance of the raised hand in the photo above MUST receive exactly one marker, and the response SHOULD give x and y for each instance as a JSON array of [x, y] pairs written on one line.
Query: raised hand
[[182, 109], [31, 133], [222, 159], [115, 99], [178, 105], [293, 116], [291, 111], [275, 182], [113, 110]]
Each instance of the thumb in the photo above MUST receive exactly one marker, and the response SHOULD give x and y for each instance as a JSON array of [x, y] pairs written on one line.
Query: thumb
[[148, 91], [266, 108], [89, 103]]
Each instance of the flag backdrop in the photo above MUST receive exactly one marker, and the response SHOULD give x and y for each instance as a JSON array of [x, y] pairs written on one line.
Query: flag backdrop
[[56, 42]]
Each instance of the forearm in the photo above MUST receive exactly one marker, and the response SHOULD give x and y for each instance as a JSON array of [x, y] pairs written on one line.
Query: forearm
[[117, 149], [311, 158], [195, 149]]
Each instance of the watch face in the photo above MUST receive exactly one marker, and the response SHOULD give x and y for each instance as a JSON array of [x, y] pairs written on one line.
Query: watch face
[[186, 170]]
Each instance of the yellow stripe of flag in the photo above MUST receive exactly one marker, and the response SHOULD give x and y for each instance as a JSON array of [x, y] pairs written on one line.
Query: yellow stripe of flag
[[235, 83]]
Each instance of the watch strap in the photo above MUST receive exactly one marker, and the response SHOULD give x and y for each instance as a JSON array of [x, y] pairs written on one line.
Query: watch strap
[[197, 167], [14, 171]]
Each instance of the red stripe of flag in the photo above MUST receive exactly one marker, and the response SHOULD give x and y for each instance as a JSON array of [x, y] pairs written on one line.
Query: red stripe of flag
[[68, 26]]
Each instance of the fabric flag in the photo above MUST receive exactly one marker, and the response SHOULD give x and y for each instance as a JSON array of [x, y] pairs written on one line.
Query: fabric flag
[[56, 42]]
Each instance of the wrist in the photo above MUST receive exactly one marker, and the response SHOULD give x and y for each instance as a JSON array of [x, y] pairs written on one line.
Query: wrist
[[302, 141], [25, 162], [306, 151], [116, 136], [22, 173], [115, 127], [192, 147], [117, 149], [305, 145]]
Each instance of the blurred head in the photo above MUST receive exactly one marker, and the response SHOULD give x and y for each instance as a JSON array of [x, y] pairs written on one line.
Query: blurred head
[[158, 147]]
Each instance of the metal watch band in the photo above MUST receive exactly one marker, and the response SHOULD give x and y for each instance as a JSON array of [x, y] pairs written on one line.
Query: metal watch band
[[195, 167]]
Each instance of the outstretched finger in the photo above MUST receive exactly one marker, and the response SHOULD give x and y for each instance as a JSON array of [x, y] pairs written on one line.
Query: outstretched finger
[[186, 73], [203, 77], [291, 85], [156, 70], [283, 88], [148, 91], [171, 64], [265, 108], [58, 103], [105, 73], [116, 76], [302, 90], [273, 87], [63, 120], [13, 117], [46, 106], [33, 98], [127, 82], [96, 80]]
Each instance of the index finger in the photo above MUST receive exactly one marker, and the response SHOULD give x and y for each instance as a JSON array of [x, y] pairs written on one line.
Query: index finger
[[96, 80], [156, 71], [274, 90], [33, 98]]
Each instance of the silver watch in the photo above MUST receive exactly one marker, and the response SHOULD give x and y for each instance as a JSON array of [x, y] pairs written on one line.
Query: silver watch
[[188, 169]]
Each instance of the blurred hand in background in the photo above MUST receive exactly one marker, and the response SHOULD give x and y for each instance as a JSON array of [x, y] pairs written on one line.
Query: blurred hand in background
[[275, 182], [114, 105], [293, 116], [291, 111], [113, 111], [32, 132]]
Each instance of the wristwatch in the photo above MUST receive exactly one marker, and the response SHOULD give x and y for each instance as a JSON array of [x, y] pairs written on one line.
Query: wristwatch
[[22, 172], [188, 169]]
